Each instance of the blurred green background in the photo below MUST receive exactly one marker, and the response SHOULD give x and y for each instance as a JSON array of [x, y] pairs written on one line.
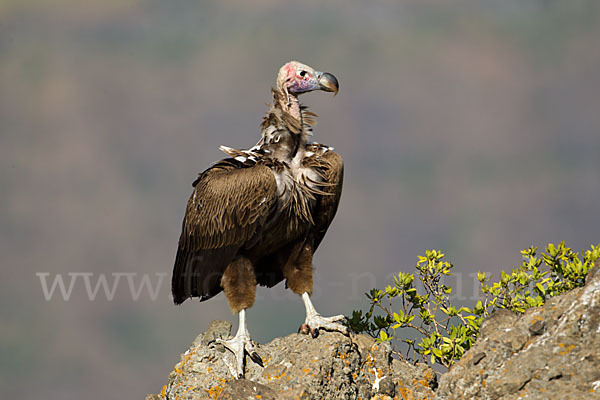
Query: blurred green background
[[473, 127]]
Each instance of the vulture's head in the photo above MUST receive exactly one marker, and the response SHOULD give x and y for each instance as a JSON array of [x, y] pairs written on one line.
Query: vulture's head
[[296, 78]]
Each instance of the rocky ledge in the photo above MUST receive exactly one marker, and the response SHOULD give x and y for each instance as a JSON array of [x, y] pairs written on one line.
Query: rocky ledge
[[332, 366], [550, 352]]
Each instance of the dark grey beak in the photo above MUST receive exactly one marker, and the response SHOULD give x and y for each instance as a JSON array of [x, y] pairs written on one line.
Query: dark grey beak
[[328, 83]]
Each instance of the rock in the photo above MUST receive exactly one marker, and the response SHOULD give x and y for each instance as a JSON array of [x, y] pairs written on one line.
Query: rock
[[548, 352], [331, 366], [244, 389], [216, 330], [551, 351]]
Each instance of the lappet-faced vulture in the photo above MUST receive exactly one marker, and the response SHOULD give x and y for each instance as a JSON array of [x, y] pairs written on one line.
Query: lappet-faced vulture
[[258, 216]]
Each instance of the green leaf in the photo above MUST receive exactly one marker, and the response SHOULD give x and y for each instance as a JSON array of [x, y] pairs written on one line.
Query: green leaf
[[540, 288], [481, 276], [538, 278]]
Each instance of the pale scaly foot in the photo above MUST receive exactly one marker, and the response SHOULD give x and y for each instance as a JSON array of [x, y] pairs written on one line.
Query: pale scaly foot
[[314, 321], [240, 345]]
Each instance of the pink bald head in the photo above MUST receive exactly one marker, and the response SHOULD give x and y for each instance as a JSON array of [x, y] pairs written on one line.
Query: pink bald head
[[296, 78]]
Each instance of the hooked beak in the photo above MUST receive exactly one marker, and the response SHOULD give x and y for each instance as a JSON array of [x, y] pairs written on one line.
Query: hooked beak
[[328, 82]]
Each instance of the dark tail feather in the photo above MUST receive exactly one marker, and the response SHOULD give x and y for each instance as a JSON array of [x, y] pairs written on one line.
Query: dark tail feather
[[178, 281], [198, 274]]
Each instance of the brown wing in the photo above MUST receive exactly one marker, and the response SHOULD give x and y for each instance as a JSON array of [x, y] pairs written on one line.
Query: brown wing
[[227, 206], [332, 171]]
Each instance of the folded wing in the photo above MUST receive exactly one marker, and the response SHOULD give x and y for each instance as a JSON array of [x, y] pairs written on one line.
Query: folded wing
[[229, 204], [331, 168]]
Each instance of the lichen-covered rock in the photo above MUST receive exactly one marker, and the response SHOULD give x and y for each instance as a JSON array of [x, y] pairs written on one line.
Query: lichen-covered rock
[[332, 366], [551, 352]]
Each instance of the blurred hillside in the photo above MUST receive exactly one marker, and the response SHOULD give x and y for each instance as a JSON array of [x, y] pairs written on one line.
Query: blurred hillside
[[471, 127]]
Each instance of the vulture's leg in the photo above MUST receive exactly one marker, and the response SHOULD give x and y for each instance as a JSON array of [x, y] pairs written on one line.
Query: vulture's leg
[[239, 285], [314, 321], [299, 278], [239, 345]]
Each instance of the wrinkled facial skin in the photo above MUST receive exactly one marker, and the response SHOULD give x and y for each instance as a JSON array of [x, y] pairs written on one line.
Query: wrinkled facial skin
[[298, 78], [304, 81]]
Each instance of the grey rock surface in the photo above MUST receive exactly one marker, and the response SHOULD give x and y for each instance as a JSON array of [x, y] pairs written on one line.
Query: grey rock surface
[[550, 352], [332, 366]]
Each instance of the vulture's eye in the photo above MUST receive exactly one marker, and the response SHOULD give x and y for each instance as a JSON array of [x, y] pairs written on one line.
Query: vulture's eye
[[302, 73]]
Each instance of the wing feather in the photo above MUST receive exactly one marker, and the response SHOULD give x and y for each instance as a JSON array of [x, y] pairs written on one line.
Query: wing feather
[[229, 203], [332, 172]]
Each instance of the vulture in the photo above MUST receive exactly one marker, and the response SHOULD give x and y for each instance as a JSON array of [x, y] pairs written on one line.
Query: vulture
[[257, 217]]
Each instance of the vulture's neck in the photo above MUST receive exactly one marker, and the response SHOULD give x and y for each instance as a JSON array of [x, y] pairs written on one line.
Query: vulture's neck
[[286, 114], [289, 103]]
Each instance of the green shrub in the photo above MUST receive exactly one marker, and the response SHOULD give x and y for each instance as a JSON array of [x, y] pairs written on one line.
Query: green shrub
[[446, 331]]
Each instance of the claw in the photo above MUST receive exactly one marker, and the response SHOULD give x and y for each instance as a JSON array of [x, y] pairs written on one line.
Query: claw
[[256, 358], [240, 345], [314, 321], [304, 329]]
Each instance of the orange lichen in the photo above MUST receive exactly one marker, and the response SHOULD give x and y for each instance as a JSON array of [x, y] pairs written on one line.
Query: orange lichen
[[536, 318], [404, 392], [567, 349], [271, 377], [267, 361], [215, 391], [429, 376], [370, 361], [423, 382], [181, 364]]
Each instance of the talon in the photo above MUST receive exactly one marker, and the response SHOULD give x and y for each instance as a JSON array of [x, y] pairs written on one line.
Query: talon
[[240, 345], [315, 321], [216, 341], [304, 329], [256, 358]]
